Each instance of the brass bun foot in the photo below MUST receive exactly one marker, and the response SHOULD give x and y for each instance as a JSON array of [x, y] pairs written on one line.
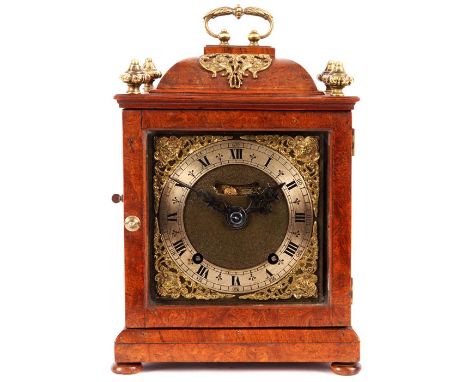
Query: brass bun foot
[[345, 368], [127, 368]]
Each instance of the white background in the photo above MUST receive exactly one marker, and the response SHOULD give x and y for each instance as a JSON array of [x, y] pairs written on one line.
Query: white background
[[60, 155]]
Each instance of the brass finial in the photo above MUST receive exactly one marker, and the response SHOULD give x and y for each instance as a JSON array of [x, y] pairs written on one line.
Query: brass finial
[[324, 75], [133, 77], [151, 74], [238, 11], [335, 78], [224, 37], [254, 37]]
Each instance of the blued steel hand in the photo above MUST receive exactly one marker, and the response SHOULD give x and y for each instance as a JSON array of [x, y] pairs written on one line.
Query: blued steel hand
[[209, 198], [262, 200]]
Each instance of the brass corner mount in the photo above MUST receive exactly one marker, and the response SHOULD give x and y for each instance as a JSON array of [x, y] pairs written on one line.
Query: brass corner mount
[[335, 78], [135, 76]]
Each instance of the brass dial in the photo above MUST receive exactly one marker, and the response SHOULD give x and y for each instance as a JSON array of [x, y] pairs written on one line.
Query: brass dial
[[236, 216]]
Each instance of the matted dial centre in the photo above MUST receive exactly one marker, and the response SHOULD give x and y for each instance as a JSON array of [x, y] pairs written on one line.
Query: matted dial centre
[[237, 240]]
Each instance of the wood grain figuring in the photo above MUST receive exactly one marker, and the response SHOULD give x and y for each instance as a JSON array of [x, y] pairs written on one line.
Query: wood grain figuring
[[283, 76], [235, 345], [134, 242], [336, 312], [189, 101]]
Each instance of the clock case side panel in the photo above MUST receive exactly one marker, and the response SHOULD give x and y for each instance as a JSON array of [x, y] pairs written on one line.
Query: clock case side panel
[[336, 312], [135, 243]]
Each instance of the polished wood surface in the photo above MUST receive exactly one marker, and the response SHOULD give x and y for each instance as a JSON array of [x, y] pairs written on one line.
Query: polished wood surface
[[346, 369], [127, 368], [237, 333], [237, 345], [336, 312]]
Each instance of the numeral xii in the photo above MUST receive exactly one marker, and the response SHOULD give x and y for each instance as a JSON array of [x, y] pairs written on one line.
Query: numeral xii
[[236, 153]]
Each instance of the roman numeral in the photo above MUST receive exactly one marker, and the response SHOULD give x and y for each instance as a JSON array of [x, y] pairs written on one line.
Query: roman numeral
[[204, 161], [291, 249], [179, 247], [268, 273], [267, 162], [291, 185], [235, 280], [300, 217], [172, 217], [203, 271], [236, 153]]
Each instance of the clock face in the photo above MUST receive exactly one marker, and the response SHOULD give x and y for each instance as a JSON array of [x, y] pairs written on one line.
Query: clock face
[[236, 216]]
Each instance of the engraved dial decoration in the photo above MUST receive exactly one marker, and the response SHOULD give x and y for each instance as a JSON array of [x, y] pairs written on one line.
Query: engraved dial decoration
[[236, 217]]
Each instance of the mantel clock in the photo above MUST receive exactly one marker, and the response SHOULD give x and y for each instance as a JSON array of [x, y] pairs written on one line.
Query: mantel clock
[[237, 203]]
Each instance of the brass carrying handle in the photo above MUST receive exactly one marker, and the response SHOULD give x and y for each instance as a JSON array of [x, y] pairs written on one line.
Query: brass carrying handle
[[238, 11]]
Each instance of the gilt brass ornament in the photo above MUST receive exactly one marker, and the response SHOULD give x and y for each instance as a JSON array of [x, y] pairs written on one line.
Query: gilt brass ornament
[[335, 78], [179, 274], [235, 66], [151, 74], [238, 12], [134, 77]]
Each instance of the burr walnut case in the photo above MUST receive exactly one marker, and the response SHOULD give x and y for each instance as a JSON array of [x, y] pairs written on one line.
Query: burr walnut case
[[237, 204]]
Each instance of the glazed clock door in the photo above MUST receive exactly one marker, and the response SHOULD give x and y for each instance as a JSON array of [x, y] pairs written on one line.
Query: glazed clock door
[[237, 219]]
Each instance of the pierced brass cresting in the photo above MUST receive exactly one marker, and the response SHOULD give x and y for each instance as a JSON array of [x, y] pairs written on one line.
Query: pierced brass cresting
[[335, 78], [235, 66], [224, 36]]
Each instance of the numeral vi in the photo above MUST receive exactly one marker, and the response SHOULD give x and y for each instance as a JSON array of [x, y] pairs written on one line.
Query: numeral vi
[[235, 280]]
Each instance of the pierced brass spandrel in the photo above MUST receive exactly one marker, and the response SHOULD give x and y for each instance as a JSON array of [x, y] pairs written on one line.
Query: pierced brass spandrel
[[170, 280], [301, 281], [304, 153]]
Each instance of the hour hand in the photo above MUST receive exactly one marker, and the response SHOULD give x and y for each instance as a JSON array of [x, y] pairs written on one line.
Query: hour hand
[[261, 200], [209, 198]]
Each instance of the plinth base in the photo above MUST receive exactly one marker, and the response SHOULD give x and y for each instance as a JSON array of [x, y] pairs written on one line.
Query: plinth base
[[337, 345]]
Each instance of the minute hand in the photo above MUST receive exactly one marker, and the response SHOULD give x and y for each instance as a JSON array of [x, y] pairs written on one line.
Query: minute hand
[[211, 200]]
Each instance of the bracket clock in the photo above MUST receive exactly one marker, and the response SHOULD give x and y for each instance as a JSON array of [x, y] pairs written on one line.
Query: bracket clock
[[237, 204]]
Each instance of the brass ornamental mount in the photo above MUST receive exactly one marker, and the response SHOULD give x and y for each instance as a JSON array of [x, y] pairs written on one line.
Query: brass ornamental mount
[[132, 223], [152, 74], [335, 78], [135, 76], [170, 151], [235, 66], [224, 36]]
